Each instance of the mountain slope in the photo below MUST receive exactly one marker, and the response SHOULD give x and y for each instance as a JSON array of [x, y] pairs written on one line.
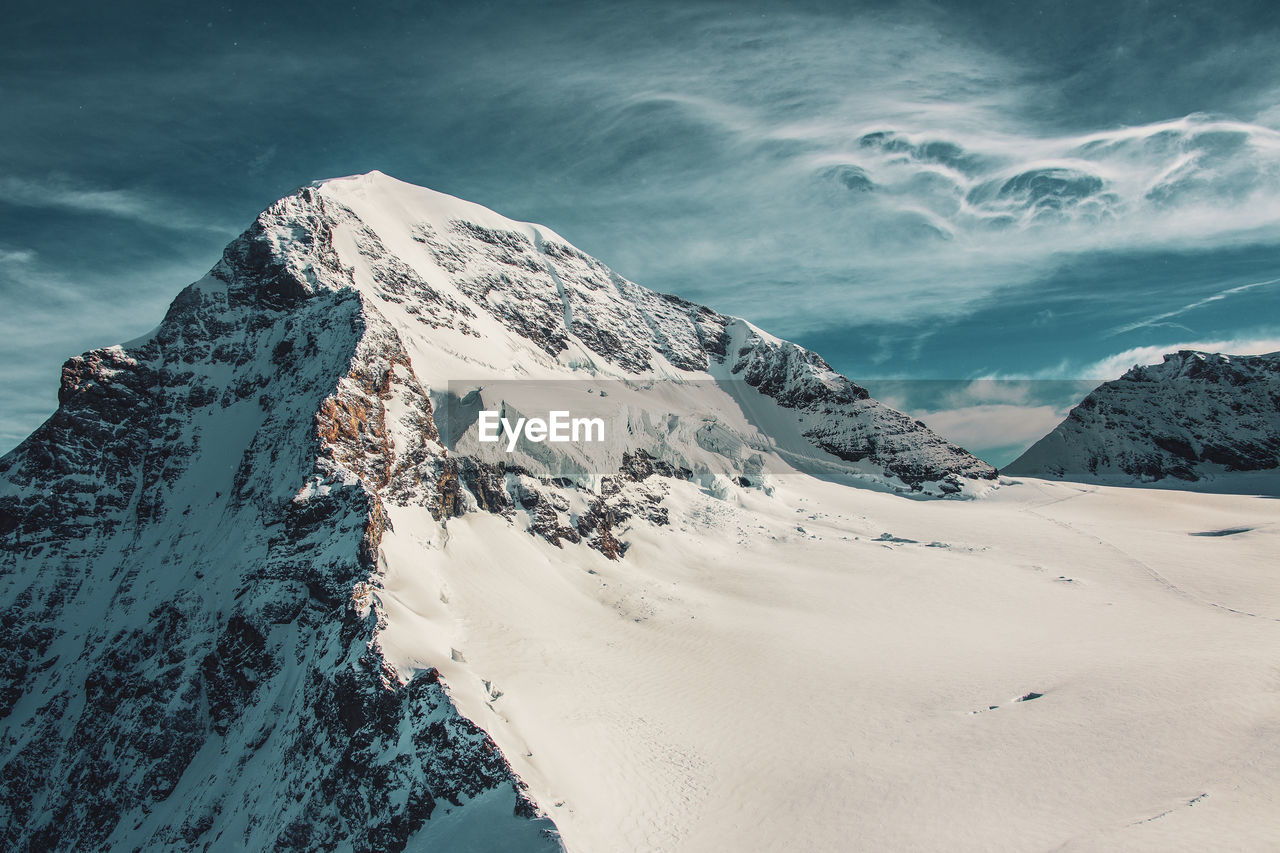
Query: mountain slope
[[1198, 420], [188, 634], [192, 553]]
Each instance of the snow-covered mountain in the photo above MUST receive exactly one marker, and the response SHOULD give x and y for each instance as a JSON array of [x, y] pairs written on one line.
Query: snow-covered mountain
[[1198, 420], [265, 588], [201, 650]]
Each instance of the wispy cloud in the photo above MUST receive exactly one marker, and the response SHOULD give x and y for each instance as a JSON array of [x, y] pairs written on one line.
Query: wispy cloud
[[1159, 319], [994, 418], [1116, 365], [891, 172], [1000, 427], [67, 194], [13, 257], [61, 316]]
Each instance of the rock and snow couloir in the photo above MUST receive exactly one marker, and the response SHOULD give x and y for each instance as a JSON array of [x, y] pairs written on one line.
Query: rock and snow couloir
[[197, 645]]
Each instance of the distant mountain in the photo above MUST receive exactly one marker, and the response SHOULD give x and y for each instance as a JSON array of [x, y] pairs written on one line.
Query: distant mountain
[[1198, 420], [192, 548]]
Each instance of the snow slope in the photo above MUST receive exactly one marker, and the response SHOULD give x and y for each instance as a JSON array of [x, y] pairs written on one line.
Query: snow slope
[[265, 589], [1199, 420], [816, 670]]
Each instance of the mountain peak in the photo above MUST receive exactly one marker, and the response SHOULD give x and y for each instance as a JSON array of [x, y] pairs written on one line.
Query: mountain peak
[[471, 294], [373, 175], [380, 197], [236, 481]]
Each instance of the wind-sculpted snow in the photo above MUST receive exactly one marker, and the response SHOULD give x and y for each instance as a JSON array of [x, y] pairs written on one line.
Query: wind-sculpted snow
[[1198, 418], [191, 547]]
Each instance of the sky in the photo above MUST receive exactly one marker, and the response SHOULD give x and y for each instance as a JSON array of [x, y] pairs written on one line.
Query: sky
[[965, 191]]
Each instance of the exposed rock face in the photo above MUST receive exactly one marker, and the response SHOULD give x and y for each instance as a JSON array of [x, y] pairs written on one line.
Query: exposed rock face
[[189, 546], [1195, 417], [190, 651], [844, 420]]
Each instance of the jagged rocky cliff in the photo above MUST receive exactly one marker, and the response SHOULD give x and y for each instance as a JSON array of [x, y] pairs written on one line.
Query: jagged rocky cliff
[[190, 546], [1198, 418]]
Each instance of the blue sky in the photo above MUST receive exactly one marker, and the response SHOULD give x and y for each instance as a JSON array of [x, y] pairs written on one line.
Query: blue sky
[[933, 190]]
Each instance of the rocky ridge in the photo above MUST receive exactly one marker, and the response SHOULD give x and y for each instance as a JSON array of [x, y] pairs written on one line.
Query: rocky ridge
[[1196, 418]]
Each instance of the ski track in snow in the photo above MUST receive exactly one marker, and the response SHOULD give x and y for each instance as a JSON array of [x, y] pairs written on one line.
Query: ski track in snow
[[1132, 560]]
